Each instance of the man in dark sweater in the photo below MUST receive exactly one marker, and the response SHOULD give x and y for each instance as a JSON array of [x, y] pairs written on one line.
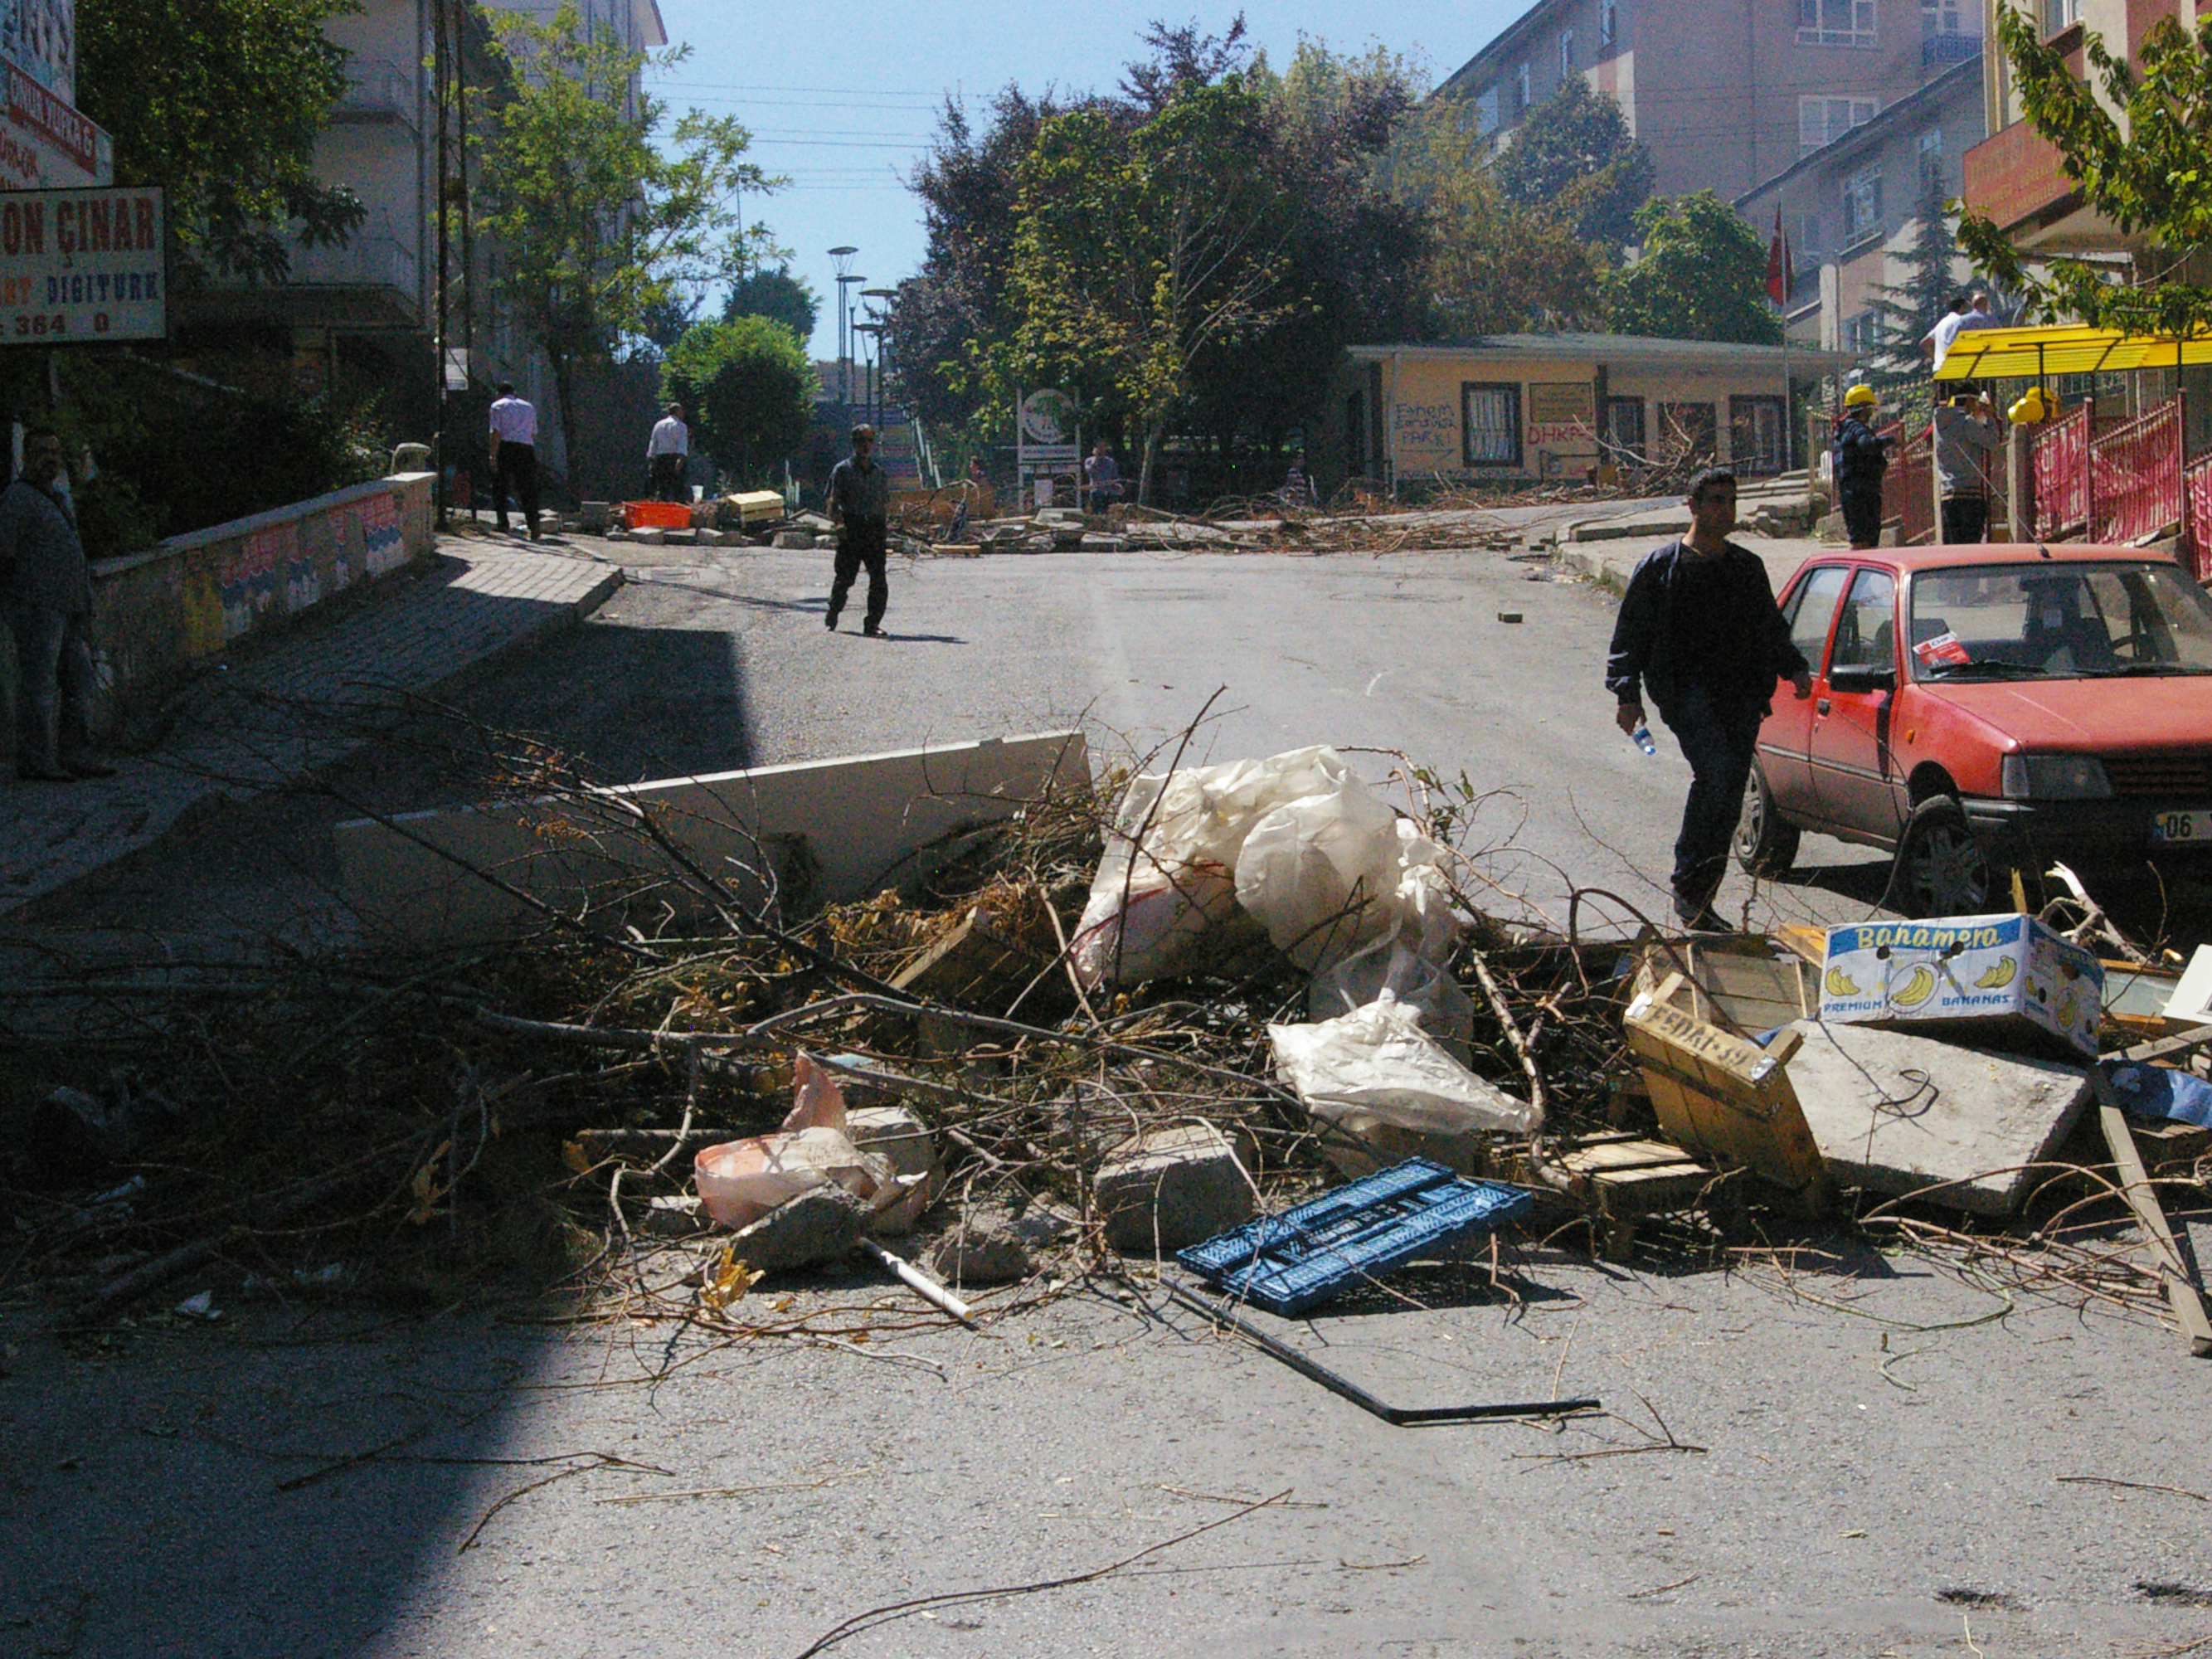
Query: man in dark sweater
[[1861, 457], [1699, 629], [47, 588], [859, 508]]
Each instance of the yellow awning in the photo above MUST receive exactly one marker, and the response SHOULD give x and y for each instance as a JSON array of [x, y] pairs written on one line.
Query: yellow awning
[[2015, 353]]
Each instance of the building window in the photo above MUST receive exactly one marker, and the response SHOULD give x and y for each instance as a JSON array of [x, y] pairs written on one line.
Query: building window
[[1567, 53], [1811, 238], [1835, 23], [1755, 435], [1931, 159], [1608, 21], [1862, 333], [1521, 98], [1490, 423], [1486, 113], [2060, 13], [1823, 120], [1861, 205], [1624, 430]]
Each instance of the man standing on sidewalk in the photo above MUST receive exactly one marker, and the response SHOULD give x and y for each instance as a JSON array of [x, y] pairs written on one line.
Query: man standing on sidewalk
[[1966, 435], [1698, 628], [1861, 457], [514, 456], [668, 453], [859, 507], [48, 589]]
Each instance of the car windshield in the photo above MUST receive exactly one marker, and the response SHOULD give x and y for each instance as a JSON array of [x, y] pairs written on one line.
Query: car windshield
[[2049, 620]]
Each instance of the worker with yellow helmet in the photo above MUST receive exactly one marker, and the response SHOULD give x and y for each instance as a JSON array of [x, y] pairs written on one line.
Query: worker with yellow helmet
[[1861, 456]]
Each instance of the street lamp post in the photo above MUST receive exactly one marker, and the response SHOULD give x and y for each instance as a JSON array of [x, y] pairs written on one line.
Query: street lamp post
[[842, 256]]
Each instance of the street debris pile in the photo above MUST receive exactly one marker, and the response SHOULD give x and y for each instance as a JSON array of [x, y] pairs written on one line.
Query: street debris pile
[[1094, 1041]]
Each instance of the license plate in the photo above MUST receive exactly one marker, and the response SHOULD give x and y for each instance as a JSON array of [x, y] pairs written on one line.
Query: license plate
[[2195, 825]]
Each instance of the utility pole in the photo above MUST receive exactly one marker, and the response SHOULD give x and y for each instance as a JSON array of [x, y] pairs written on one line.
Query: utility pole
[[438, 72]]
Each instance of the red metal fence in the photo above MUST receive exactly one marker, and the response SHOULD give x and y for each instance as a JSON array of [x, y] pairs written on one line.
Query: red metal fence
[[2060, 465], [1908, 489], [2196, 517], [2135, 477]]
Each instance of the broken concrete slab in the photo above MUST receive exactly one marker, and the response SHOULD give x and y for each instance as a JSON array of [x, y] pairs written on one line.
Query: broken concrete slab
[[830, 831], [992, 1245], [820, 1224], [897, 1135], [798, 540], [1898, 1113], [1171, 1187]]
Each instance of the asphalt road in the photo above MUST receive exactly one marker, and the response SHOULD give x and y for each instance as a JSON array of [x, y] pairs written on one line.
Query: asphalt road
[[709, 659]]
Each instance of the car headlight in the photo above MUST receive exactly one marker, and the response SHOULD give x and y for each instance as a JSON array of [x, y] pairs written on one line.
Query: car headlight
[[2056, 777]]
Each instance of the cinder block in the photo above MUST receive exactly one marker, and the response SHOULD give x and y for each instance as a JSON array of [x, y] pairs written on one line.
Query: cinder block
[[797, 539], [1165, 1188], [591, 517]]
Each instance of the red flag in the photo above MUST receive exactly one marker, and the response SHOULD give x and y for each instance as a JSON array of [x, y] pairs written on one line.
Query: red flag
[[1781, 274]]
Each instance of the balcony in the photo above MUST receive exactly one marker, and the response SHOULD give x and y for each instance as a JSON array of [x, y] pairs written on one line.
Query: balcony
[[378, 93], [1942, 51]]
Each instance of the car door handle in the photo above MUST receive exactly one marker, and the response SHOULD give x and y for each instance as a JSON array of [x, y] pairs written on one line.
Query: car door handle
[[1822, 707]]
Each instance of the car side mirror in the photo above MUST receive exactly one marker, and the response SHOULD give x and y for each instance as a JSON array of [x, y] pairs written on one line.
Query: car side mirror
[[1859, 677]]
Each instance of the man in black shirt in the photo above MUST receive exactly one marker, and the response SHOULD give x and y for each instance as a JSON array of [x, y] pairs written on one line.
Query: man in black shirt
[[859, 507], [1700, 629]]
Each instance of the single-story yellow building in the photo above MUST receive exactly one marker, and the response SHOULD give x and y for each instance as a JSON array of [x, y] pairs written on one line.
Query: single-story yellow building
[[1516, 407]]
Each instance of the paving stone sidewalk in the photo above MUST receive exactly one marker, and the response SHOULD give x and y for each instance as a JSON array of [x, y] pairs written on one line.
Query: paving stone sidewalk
[[309, 696]]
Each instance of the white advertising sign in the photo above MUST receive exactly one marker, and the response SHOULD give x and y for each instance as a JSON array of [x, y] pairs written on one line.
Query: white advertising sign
[[82, 267], [1045, 429]]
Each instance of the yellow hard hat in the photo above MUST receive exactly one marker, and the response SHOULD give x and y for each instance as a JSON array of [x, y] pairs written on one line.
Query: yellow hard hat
[[2032, 409], [1861, 393]]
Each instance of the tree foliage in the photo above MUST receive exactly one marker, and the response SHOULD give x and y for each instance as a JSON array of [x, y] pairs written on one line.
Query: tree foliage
[[777, 295], [1575, 156], [596, 222], [221, 102], [2146, 171], [1702, 276], [1490, 265], [748, 387]]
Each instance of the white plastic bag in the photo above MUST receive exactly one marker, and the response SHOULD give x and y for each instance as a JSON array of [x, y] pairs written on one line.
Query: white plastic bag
[[1150, 902], [1330, 873], [1376, 1065]]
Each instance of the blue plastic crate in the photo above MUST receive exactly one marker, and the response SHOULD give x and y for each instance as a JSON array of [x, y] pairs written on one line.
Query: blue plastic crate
[[1298, 1260]]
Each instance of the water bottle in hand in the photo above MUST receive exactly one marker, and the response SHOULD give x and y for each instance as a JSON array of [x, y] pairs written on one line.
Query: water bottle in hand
[[1642, 735]]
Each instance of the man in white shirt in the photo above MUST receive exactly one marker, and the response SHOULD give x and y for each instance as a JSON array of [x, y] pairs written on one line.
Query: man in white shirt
[[514, 456], [1968, 311], [668, 454]]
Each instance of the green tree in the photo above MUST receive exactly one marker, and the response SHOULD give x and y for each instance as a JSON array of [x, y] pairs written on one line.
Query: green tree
[[221, 102], [596, 222], [1575, 154], [1136, 251], [1702, 276], [777, 295], [1490, 264], [750, 389], [2144, 172], [661, 322]]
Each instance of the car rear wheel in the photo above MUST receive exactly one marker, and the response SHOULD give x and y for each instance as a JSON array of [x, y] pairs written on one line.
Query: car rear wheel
[[1765, 841], [1940, 869]]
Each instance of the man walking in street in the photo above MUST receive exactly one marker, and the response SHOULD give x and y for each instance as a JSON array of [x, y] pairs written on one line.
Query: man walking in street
[[1861, 457], [1966, 435], [514, 456], [668, 454], [48, 589], [1101, 479], [1699, 628], [860, 509]]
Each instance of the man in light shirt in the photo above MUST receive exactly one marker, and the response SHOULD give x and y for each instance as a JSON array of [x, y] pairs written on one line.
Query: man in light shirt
[[668, 453], [514, 456], [1968, 311]]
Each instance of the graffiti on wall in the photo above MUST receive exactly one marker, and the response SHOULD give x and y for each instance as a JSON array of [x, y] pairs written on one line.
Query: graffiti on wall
[[383, 548], [1428, 435], [247, 575]]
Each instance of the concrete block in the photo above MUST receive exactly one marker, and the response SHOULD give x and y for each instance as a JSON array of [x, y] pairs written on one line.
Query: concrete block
[[897, 1135], [591, 517], [1897, 1113], [798, 540], [1104, 544], [649, 537], [992, 1245], [820, 1224], [1168, 1187], [860, 823]]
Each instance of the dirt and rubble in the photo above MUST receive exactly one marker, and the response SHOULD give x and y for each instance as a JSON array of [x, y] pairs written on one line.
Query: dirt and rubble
[[518, 1123]]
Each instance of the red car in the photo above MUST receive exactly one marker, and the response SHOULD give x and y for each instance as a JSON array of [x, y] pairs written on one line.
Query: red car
[[1979, 710]]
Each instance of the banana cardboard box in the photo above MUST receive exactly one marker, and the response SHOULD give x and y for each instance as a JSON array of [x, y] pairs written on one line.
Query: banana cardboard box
[[1976, 978]]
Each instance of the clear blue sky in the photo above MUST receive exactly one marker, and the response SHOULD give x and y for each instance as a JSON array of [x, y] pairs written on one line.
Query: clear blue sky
[[844, 101]]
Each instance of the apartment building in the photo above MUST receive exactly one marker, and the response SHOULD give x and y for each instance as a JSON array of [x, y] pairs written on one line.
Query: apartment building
[[1852, 209], [365, 315], [1724, 94]]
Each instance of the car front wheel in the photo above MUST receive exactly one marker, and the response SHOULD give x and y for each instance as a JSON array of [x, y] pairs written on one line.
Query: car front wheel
[[1940, 869], [1765, 841]]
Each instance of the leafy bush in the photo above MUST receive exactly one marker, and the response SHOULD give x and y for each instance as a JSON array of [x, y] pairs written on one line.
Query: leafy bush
[[749, 389]]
